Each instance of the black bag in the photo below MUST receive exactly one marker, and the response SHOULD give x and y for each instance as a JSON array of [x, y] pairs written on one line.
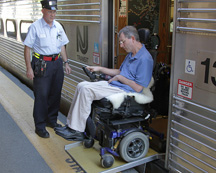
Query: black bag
[[161, 89], [39, 67]]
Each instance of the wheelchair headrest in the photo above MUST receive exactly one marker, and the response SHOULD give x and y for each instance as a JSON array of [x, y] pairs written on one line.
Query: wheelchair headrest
[[144, 34]]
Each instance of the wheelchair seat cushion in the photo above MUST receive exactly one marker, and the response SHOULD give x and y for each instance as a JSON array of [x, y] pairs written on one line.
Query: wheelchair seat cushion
[[142, 98], [122, 105], [129, 108]]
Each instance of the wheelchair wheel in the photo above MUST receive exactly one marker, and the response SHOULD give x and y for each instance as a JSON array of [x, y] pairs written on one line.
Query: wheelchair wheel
[[88, 143], [107, 160], [134, 146]]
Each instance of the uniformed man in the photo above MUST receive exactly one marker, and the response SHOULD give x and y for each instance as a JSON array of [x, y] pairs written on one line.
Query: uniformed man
[[47, 39]]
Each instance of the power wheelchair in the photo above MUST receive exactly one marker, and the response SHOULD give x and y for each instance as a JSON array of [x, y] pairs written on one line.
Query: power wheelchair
[[121, 131]]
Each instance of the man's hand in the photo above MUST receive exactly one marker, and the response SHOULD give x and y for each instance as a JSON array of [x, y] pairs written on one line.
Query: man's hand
[[115, 78], [67, 68], [93, 68], [30, 73]]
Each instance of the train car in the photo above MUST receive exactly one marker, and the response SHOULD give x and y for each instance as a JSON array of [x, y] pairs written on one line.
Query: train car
[[86, 25], [191, 139], [92, 26]]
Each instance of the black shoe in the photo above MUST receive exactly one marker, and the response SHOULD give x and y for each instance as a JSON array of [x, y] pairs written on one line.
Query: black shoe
[[71, 135], [42, 133], [62, 128], [53, 125]]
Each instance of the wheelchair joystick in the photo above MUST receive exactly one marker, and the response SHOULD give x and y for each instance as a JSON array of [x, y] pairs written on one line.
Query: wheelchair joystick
[[96, 77], [91, 75], [105, 76]]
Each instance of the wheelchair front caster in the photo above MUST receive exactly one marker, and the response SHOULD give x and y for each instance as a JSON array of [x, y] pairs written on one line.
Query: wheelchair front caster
[[88, 143], [107, 160]]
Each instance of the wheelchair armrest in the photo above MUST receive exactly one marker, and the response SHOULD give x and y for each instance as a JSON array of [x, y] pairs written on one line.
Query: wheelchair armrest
[[103, 103]]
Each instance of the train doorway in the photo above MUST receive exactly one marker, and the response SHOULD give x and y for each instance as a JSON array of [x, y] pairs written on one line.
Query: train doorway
[[155, 15]]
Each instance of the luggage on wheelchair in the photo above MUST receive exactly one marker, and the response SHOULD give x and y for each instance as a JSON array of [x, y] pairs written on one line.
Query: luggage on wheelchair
[[161, 89]]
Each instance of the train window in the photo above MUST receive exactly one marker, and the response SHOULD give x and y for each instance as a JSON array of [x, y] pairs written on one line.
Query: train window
[[24, 25], [1, 27], [11, 28]]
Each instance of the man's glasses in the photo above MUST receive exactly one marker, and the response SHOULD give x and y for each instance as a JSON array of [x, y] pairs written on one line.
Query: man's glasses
[[122, 42]]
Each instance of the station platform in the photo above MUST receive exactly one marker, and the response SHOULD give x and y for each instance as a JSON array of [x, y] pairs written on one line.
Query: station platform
[[21, 150]]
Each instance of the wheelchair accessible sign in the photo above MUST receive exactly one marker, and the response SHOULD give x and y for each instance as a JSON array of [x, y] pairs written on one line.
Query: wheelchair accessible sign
[[190, 66], [185, 89]]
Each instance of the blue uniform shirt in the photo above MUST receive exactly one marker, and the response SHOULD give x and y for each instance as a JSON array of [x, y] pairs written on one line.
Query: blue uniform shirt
[[138, 68], [44, 39]]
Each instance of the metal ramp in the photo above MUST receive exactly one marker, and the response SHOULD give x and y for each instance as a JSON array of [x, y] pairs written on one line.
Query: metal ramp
[[88, 159]]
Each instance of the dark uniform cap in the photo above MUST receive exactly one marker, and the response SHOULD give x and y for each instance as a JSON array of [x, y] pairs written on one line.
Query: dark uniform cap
[[49, 4]]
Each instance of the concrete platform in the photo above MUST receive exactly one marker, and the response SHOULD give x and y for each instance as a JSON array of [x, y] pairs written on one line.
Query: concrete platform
[[21, 149]]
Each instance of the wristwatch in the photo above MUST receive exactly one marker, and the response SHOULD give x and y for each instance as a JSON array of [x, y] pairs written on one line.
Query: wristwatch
[[66, 62]]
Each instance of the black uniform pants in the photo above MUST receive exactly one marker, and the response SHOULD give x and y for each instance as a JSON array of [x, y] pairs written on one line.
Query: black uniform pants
[[47, 92]]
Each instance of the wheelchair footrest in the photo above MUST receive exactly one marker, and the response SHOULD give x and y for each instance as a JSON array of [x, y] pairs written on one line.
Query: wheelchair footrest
[[126, 121]]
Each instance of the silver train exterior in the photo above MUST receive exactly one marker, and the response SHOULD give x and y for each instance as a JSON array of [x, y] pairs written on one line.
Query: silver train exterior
[[86, 25], [191, 138]]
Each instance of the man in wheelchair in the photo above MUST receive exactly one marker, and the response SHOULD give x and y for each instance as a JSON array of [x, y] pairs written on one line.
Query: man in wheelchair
[[133, 76]]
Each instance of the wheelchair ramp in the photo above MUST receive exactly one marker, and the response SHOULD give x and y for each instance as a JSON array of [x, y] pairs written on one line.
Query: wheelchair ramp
[[88, 159]]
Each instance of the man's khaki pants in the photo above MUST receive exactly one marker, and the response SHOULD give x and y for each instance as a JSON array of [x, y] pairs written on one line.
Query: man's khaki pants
[[85, 94]]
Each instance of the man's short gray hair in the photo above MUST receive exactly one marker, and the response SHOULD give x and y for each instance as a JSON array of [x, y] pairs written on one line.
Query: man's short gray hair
[[130, 31]]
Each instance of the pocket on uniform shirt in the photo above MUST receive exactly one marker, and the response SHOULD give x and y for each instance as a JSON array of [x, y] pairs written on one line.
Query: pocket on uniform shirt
[[44, 42], [59, 43]]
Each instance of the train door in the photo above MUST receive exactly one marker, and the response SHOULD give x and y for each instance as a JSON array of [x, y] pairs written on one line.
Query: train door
[[191, 144], [154, 15]]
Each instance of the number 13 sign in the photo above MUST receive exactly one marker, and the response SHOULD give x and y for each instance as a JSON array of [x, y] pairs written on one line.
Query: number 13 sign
[[206, 76]]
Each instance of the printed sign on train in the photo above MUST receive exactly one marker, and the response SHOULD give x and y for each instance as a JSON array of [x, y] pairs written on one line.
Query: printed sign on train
[[185, 89], [82, 40], [206, 68], [96, 58], [82, 44]]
